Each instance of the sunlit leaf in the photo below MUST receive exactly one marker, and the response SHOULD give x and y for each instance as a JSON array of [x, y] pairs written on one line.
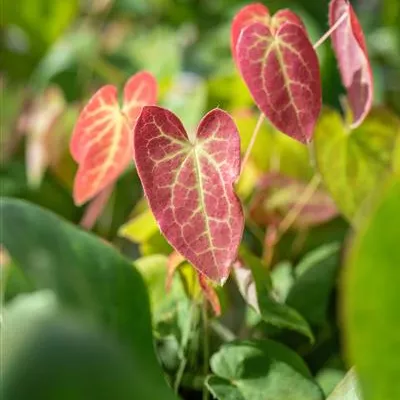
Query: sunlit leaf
[[370, 298], [351, 51], [354, 162], [280, 67], [255, 286], [277, 194], [260, 370], [246, 16], [188, 182], [102, 142], [347, 389]]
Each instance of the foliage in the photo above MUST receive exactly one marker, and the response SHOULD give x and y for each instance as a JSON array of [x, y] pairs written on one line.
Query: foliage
[[247, 252]]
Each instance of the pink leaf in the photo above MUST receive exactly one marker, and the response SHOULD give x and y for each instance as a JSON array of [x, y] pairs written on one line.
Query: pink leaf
[[277, 195], [283, 16], [246, 16], [282, 73], [351, 51], [101, 142], [139, 91], [209, 293], [189, 185]]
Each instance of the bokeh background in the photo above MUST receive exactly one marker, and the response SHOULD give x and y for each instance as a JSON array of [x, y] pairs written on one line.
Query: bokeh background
[[54, 55]]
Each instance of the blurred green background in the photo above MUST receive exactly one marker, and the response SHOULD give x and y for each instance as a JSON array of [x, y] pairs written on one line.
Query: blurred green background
[[55, 54]]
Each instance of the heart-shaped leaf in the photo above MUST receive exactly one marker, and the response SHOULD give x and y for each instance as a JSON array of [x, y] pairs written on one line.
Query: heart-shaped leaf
[[260, 370], [277, 194], [281, 70], [101, 142], [188, 182], [351, 52], [245, 17], [352, 163]]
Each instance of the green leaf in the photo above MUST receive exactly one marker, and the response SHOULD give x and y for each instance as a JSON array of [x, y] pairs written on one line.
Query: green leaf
[[140, 228], [347, 389], [52, 355], [88, 276], [371, 297], [310, 294], [272, 312], [353, 163], [260, 370]]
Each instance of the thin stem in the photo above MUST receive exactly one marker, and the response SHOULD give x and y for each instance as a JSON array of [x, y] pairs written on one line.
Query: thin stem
[[296, 210], [252, 141], [185, 343], [331, 30], [222, 331], [206, 347]]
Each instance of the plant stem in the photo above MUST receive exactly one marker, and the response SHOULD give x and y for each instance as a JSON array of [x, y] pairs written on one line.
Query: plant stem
[[330, 31], [185, 343], [296, 209], [206, 347], [252, 141]]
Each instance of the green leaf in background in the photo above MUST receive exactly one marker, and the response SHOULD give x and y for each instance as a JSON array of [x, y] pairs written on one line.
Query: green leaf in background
[[260, 370], [370, 299], [261, 298], [347, 389], [43, 20], [187, 98], [353, 163], [311, 291], [41, 344], [88, 276]]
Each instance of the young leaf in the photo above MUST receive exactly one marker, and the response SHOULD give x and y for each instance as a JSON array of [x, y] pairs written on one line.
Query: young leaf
[[188, 182], [351, 52], [281, 70], [101, 142], [277, 195], [245, 17]]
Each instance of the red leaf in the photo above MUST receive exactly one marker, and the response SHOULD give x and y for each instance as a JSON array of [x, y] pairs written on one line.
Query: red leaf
[[277, 195], [246, 16], [351, 51], [139, 91], [189, 181], [210, 294], [282, 73], [283, 16], [101, 142]]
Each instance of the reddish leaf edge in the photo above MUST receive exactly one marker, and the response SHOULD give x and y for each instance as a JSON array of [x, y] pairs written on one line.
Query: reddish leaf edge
[[222, 281]]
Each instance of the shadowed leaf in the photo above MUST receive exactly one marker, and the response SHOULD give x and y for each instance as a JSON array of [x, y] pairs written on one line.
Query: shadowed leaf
[[255, 286], [370, 298], [277, 195], [260, 370], [351, 52], [188, 182]]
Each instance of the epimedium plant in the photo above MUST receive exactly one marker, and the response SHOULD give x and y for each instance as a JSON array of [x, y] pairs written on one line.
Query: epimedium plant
[[191, 180], [189, 177]]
